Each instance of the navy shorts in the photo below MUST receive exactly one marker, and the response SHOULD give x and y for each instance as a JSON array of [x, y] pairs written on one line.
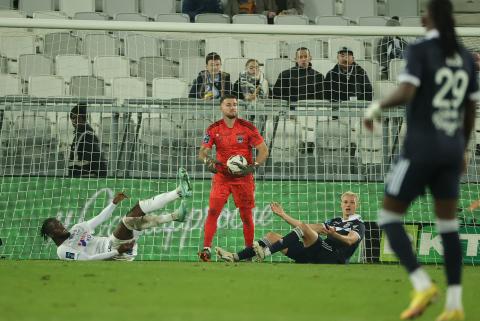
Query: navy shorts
[[407, 180], [318, 253]]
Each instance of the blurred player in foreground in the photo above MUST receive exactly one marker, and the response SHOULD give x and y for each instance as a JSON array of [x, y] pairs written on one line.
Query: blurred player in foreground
[[79, 243], [304, 243], [440, 89]]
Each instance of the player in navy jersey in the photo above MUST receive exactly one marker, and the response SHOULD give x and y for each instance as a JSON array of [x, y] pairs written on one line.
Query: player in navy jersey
[[304, 244], [231, 136], [440, 89]]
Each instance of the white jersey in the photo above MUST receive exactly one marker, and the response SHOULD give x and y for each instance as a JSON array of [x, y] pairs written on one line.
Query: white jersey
[[82, 244]]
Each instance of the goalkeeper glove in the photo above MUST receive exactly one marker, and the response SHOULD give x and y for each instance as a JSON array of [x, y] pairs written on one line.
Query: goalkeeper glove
[[245, 169], [211, 164], [373, 112]]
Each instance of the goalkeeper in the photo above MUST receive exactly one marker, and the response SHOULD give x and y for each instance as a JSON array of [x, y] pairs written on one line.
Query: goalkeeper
[[79, 243], [304, 243]]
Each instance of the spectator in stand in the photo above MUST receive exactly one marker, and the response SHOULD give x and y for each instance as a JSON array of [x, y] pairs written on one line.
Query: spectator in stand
[[390, 47], [211, 83], [251, 83], [347, 80], [301, 81], [272, 8], [235, 7], [194, 7]]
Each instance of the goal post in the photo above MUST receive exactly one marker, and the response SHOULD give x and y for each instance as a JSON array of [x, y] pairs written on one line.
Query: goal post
[[135, 80]]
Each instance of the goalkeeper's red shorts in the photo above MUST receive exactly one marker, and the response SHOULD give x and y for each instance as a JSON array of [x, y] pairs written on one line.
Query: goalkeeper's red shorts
[[243, 190]]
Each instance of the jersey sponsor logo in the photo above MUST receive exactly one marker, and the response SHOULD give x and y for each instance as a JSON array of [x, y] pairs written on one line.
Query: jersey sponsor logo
[[70, 255], [83, 239], [239, 139], [206, 139]]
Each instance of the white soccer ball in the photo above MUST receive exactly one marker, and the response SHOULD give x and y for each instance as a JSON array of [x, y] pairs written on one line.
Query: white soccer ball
[[232, 163]]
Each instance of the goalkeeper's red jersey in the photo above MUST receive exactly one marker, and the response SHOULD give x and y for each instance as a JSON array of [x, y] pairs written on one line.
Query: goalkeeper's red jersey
[[238, 140]]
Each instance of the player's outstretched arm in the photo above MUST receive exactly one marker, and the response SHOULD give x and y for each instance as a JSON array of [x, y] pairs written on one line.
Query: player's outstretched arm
[[71, 254], [278, 210], [107, 211]]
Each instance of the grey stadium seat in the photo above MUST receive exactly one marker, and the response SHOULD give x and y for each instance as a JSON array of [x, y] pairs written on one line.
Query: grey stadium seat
[[61, 43], [156, 67], [87, 86]]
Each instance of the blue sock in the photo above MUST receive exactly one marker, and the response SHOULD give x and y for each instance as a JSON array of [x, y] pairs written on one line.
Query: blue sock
[[246, 253], [286, 241], [401, 245], [452, 250]]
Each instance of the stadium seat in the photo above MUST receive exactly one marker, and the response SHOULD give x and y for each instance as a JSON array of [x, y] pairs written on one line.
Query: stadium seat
[[274, 66], [130, 16], [3, 65], [109, 67], [190, 67], [156, 67], [87, 86], [153, 8], [332, 21], [174, 49], [99, 45], [382, 89], [46, 86], [323, 66], [169, 88], [369, 148], [413, 21], [172, 17], [12, 46], [354, 9], [137, 46], [356, 45], [319, 8], [112, 7], [67, 66], [291, 20], [316, 46], [6, 4], [395, 67], [10, 85], [59, 15], [371, 68], [90, 16], [212, 18], [372, 21], [128, 87], [333, 139], [61, 43], [30, 6], [70, 7], [405, 8], [283, 135], [234, 66], [226, 47], [261, 49], [249, 19], [34, 65]]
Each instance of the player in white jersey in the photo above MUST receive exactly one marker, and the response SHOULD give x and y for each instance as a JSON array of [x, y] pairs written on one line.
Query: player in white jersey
[[79, 243]]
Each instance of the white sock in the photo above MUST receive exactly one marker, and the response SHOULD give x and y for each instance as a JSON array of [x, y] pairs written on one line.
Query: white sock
[[420, 279], [267, 251], [454, 297], [158, 202]]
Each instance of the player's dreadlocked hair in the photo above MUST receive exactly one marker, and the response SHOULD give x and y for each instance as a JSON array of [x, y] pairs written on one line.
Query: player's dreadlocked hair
[[46, 227], [441, 11]]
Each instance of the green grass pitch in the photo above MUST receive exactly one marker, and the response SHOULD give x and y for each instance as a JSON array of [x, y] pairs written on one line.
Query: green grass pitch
[[171, 291]]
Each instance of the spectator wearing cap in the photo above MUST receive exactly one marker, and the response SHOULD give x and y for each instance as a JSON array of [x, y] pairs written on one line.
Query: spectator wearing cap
[[390, 47], [347, 80], [211, 83], [86, 159], [194, 7], [301, 81], [272, 8]]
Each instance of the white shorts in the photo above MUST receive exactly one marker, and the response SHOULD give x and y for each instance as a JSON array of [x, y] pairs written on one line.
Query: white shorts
[[127, 256]]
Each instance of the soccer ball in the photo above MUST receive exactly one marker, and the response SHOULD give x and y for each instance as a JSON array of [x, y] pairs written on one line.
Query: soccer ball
[[231, 163]]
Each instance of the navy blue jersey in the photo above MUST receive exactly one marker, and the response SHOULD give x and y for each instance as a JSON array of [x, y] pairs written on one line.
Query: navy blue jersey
[[435, 115], [355, 223]]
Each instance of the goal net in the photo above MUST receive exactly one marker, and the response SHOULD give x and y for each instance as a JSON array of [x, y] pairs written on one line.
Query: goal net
[[136, 87]]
